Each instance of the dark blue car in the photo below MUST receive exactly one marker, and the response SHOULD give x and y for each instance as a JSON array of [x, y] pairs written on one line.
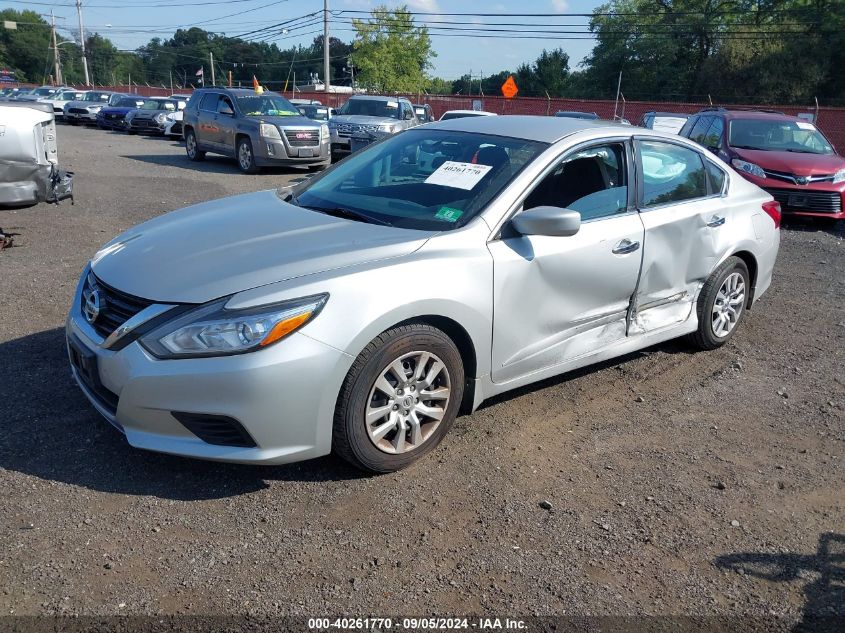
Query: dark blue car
[[113, 117]]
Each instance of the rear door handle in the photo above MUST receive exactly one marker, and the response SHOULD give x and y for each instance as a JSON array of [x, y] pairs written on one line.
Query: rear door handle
[[716, 220], [625, 246]]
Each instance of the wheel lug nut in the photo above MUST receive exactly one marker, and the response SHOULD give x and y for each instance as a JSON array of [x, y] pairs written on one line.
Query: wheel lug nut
[[395, 407], [398, 392]]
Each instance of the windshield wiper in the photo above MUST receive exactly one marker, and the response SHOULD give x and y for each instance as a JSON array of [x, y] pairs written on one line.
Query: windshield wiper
[[802, 151], [762, 149], [341, 212]]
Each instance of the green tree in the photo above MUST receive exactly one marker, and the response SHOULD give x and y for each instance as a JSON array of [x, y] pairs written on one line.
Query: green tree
[[391, 54], [26, 49]]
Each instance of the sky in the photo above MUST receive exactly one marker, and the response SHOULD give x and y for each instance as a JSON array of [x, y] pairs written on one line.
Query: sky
[[132, 23]]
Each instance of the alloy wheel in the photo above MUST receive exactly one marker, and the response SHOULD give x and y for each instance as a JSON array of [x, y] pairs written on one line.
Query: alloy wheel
[[728, 304], [245, 156], [191, 145], [407, 402]]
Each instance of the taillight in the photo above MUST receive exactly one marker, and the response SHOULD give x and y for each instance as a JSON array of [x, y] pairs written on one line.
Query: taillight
[[773, 210]]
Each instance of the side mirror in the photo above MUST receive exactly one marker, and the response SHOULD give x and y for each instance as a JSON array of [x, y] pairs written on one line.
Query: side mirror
[[552, 221]]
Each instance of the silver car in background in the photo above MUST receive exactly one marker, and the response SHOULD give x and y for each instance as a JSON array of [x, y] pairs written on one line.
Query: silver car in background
[[361, 310], [371, 118]]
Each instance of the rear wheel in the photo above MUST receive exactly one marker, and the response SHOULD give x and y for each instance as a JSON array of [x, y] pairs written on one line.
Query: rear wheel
[[191, 148], [246, 157], [721, 304], [399, 399]]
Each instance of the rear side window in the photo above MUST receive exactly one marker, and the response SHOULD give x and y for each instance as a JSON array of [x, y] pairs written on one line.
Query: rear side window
[[699, 131], [685, 131], [209, 102], [716, 176], [713, 137], [671, 173]]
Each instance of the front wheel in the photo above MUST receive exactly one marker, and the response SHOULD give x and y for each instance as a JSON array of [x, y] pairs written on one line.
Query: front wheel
[[191, 148], [399, 399], [246, 157], [721, 304]]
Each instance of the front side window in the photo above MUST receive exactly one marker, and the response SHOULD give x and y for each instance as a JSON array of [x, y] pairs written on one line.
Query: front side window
[[592, 181], [778, 135], [266, 105], [671, 173], [372, 107], [421, 179]]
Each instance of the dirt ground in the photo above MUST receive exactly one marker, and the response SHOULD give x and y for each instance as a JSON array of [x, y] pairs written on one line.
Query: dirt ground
[[679, 483]]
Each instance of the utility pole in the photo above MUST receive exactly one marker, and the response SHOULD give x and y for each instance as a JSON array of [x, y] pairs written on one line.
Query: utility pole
[[211, 58], [82, 42], [57, 61], [326, 78], [170, 72]]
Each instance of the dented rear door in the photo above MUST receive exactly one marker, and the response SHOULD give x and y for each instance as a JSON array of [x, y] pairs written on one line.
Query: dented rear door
[[684, 224]]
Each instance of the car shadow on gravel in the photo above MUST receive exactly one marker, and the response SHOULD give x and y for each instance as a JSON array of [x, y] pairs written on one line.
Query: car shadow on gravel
[[675, 346], [50, 431], [211, 164], [823, 574]]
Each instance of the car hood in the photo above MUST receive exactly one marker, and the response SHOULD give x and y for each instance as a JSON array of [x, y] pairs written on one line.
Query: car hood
[[233, 244], [360, 119], [793, 162], [149, 114], [85, 104]]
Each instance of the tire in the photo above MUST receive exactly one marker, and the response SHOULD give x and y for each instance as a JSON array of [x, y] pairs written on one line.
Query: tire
[[728, 286], [192, 148], [418, 348], [245, 156]]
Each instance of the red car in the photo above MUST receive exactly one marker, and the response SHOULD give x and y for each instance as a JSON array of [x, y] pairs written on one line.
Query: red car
[[787, 156]]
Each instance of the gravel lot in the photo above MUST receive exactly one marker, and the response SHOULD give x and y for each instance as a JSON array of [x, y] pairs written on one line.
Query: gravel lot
[[664, 483]]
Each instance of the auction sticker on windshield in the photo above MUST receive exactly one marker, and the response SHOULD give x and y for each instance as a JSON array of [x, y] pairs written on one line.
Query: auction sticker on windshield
[[449, 214], [458, 175]]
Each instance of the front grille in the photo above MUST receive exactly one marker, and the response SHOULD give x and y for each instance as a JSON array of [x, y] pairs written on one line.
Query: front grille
[[114, 117], [348, 129], [219, 430], [144, 124], [303, 138], [77, 111], [177, 128], [115, 307], [796, 179], [814, 201], [85, 364]]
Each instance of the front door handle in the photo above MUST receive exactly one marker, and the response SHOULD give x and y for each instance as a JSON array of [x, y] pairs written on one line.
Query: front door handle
[[625, 246], [716, 220]]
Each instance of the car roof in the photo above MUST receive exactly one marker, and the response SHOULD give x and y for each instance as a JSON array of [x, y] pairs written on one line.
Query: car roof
[[545, 129], [677, 114], [479, 112], [751, 114], [377, 98]]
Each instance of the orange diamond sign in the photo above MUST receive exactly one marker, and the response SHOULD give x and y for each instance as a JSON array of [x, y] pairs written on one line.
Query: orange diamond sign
[[509, 88]]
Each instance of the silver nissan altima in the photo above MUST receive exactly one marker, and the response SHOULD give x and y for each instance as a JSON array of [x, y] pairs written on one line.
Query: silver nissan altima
[[360, 311]]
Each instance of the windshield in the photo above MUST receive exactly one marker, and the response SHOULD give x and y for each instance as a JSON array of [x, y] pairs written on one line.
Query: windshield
[[266, 105], [96, 96], [421, 179], [158, 104], [71, 96], [371, 107], [127, 103], [43, 92], [318, 114], [784, 136]]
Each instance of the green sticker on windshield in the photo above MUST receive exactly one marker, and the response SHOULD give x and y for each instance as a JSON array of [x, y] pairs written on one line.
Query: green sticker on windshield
[[449, 214]]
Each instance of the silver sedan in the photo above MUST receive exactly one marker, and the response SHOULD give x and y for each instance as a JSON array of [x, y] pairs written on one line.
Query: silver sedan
[[360, 311]]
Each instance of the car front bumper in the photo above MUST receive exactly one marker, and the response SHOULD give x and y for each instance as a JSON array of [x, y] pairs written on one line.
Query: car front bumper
[[283, 396], [276, 152], [88, 117]]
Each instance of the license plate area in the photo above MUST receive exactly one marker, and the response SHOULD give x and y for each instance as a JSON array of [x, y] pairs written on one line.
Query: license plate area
[[306, 152], [797, 200], [85, 363]]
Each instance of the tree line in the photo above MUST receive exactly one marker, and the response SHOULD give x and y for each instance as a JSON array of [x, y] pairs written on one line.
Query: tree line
[[753, 51]]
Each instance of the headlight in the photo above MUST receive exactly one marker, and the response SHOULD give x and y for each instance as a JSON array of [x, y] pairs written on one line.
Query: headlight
[[171, 117], [748, 168], [212, 330], [324, 133], [388, 127], [95, 108], [268, 130], [160, 117], [839, 176]]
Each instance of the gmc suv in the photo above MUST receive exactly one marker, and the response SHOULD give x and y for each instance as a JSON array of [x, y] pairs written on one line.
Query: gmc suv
[[787, 156], [256, 128]]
